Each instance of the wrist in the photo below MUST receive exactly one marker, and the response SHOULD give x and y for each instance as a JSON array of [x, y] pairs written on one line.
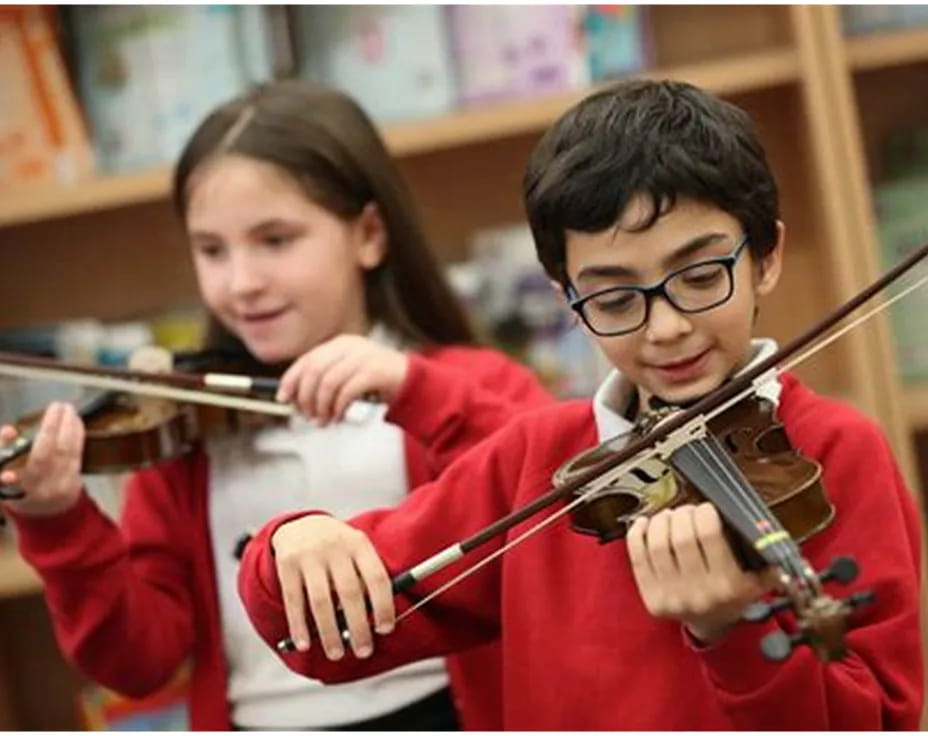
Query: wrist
[[707, 633]]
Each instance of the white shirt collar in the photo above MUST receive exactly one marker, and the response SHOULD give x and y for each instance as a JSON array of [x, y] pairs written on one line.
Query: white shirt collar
[[610, 402]]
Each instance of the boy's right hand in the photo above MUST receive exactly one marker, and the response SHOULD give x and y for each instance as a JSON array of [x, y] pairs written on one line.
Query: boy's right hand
[[51, 477], [316, 554]]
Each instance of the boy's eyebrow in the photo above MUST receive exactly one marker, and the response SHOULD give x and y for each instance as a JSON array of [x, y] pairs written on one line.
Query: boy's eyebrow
[[680, 254]]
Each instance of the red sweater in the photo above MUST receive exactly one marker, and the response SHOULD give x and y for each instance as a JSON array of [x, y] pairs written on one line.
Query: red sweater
[[130, 603], [580, 651]]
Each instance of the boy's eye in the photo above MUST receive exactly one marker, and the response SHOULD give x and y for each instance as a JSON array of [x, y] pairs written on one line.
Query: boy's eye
[[702, 276], [615, 302]]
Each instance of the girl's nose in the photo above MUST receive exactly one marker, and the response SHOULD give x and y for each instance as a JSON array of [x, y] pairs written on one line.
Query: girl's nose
[[665, 322], [245, 276]]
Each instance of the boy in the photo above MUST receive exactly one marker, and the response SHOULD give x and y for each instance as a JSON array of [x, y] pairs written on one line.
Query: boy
[[654, 210]]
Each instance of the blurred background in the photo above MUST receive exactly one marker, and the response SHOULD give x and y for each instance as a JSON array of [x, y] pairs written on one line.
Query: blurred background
[[96, 102]]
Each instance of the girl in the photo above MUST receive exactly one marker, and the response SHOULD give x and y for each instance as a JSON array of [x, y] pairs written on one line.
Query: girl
[[312, 266]]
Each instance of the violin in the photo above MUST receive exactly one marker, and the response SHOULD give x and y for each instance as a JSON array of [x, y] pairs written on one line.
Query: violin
[[788, 483], [142, 418], [728, 449]]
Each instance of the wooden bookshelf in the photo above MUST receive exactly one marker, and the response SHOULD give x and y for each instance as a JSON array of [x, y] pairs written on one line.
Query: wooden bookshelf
[[731, 75], [879, 50], [916, 404], [16, 577]]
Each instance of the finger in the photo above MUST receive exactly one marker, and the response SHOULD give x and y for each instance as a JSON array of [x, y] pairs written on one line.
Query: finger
[[335, 376], [718, 555], [659, 548], [684, 542], [71, 445], [290, 380], [377, 583], [317, 364], [46, 441], [294, 596], [359, 386], [319, 593], [352, 600], [636, 540], [8, 434]]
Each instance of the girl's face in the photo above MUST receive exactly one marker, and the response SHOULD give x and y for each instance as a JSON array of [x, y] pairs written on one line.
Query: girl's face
[[275, 268], [674, 355]]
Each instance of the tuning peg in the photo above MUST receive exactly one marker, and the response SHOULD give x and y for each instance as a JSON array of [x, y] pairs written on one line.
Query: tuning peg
[[842, 569], [778, 645], [762, 610]]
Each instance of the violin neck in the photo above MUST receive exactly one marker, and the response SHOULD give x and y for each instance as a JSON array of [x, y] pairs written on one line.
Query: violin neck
[[87, 408], [712, 471]]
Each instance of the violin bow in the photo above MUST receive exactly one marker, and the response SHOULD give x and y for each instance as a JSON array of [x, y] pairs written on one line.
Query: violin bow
[[171, 386], [661, 441]]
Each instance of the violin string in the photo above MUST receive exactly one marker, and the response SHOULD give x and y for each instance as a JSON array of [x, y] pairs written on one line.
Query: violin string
[[150, 389], [782, 551]]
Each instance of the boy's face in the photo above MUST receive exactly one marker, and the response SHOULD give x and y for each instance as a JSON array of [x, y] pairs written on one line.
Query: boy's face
[[674, 355]]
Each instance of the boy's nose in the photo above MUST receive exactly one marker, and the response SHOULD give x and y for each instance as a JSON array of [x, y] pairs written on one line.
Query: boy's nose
[[665, 322]]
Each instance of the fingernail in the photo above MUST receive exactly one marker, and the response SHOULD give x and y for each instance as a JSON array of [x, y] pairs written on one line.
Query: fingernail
[[302, 645], [364, 652], [335, 653], [384, 628]]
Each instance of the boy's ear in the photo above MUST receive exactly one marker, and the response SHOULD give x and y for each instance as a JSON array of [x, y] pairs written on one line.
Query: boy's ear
[[371, 233], [771, 265]]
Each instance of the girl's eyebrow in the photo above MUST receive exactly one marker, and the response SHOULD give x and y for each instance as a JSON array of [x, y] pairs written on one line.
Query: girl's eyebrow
[[255, 229], [694, 245]]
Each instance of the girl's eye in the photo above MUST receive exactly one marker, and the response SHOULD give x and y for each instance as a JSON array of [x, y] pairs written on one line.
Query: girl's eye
[[209, 250], [276, 240]]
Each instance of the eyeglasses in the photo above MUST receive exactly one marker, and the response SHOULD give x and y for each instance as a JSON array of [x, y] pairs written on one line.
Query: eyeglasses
[[697, 287]]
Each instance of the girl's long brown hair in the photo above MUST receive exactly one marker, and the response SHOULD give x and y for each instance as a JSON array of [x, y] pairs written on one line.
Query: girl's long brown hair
[[325, 141]]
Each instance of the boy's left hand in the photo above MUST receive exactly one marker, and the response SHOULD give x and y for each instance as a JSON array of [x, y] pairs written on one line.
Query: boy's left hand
[[325, 380], [685, 570]]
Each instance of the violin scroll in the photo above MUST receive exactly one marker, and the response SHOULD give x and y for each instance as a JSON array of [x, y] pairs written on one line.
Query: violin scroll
[[822, 619]]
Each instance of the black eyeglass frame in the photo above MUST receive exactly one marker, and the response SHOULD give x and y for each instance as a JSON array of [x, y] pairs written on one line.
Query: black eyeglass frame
[[577, 302]]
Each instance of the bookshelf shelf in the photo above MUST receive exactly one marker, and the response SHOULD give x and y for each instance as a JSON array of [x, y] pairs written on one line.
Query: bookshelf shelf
[[916, 401], [726, 76], [16, 577], [895, 48]]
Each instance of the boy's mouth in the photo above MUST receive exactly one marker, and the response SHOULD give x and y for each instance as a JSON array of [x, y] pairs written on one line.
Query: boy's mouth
[[683, 370]]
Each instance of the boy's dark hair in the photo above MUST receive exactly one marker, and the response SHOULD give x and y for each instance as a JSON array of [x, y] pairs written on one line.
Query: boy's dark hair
[[661, 139], [324, 140]]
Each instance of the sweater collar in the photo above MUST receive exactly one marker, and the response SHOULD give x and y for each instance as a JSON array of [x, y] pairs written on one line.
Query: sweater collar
[[612, 398]]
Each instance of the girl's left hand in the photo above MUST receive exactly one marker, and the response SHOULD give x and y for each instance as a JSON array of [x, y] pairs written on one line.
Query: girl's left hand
[[324, 381], [685, 570]]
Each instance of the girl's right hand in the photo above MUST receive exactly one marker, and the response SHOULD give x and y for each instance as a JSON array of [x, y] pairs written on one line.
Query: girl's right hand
[[316, 554], [51, 477]]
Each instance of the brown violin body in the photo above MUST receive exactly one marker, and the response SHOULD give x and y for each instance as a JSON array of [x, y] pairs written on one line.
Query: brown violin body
[[125, 431], [788, 483]]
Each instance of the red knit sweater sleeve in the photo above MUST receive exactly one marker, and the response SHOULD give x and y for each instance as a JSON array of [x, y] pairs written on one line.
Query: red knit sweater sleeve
[[430, 519], [878, 686], [455, 397], [118, 595]]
